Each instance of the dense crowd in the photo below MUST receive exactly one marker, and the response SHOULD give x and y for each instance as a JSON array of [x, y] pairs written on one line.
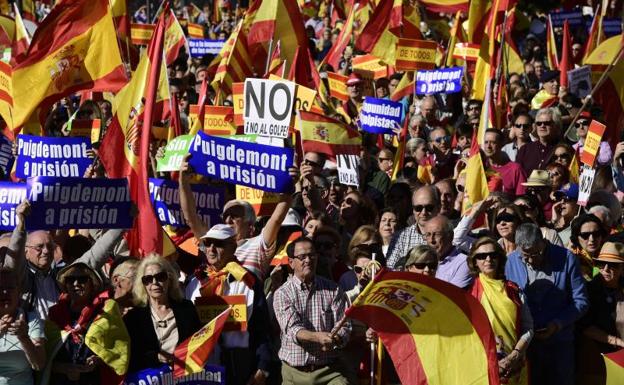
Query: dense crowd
[[548, 270]]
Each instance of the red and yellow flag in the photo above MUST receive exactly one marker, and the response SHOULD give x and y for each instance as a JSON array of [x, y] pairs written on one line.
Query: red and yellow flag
[[446, 6], [334, 55], [596, 35], [174, 38], [476, 188], [195, 31], [234, 63], [417, 317], [192, 354], [404, 88], [328, 136], [379, 35], [551, 45], [337, 86], [281, 257], [141, 34], [614, 363], [28, 10], [565, 63], [21, 41]]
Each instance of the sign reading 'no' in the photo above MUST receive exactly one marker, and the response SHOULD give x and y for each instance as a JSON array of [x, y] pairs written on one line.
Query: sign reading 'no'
[[268, 107]]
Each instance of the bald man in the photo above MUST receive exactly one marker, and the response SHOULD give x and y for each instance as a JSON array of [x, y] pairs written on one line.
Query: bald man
[[452, 267]]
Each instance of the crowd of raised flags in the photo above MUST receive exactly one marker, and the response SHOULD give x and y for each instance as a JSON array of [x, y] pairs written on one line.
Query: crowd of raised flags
[[311, 192]]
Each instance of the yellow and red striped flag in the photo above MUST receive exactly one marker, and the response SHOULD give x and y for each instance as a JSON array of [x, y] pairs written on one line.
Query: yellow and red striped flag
[[276, 65], [281, 257], [446, 6], [174, 38], [235, 62], [614, 363], [404, 88], [551, 46], [415, 316], [21, 40], [334, 55], [141, 34], [327, 136], [596, 35], [28, 10], [195, 31], [192, 354], [476, 188], [337, 86], [378, 36], [72, 50]]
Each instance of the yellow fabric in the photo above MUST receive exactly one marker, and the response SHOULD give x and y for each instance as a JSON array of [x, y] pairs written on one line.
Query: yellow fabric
[[108, 338], [540, 98], [330, 133], [20, 30], [574, 169], [476, 188], [615, 372], [209, 334]]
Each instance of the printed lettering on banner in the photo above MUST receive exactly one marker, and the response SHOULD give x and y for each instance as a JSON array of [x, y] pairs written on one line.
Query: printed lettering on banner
[[6, 155], [585, 184], [268, 107], [175, 151], [446, 80], [208, 308], [201, 47], [211, 375], [11, 195], [591, 145], [348, 169], [46, 156], [262, 202], [380, 116]]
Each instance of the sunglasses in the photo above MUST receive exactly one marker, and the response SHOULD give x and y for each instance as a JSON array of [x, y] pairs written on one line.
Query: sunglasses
[[423, 265], [506, 217], [483, 256], [523, 126], [442, 139], [427, 208], [562, 156], [460, 188], [563, 197], [586, 235], [159, 277], [611, 265], [302, 257], [312, 163], [358, 269], [81, 279], [543, 123], [218, 243], [580, 124]]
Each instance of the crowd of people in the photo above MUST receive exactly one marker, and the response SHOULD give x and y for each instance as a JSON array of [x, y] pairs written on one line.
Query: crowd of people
[[548, 271]]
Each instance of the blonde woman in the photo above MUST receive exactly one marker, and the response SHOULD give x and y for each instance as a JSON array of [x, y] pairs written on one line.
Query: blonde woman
[[162, 318]]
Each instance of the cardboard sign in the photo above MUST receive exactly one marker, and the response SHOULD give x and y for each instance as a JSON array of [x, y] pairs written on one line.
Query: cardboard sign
[[239, 102], [579, 81], [268, 107], [304, 96], [369, 66], [414, 55], [210, 307], [445, 80], [466, 51], [141, 34], [175, 151], [262, 202], [348, 169], [585, 184], [592, 143], [338, 86], [218, 120]]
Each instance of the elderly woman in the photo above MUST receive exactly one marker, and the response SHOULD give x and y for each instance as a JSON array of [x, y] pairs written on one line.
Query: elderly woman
[[603, 325], [162, 318], [422, 259], [505, 305], [417, 149], [122, 275], [588, 236], [21, 335]]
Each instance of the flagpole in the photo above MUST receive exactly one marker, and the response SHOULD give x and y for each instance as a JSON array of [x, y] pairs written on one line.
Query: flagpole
[[373, 345], [268, 61], [589, 97]]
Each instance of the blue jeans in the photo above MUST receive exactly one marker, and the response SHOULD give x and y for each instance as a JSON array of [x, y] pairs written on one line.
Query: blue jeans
[[551, 362]]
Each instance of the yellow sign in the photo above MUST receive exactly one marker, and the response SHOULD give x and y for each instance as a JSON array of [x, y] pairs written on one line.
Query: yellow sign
[[209, 308], [415, 55], [218, 120], [263, 202], [369, 66], [466, 51], [239, 102]]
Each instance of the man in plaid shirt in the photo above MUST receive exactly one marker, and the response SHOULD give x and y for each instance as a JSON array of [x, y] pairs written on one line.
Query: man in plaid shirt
[[308, 309]]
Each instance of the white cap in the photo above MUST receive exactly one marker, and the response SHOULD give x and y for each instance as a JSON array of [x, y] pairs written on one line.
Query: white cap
[[292, 218], [220, 232]]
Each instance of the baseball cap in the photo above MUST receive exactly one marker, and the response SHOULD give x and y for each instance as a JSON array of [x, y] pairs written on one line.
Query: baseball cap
[[570, 191], [220, 232]]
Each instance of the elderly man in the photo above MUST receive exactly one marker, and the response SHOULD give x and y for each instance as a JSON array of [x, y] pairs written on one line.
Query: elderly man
[[245, 354], [551, 279], [510, 172], [425, 205], [308, 308], [535, 155], [453, 267]]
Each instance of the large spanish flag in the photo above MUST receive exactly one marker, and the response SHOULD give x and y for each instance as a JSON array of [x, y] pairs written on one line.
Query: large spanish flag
[[436, 333], [379, 36], [614, 363], [328, 136], [75, 48], [192, 354], [445, 5]]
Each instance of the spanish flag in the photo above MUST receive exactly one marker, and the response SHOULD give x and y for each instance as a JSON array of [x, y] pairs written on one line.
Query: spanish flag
[[328, 136], [281, 258], [334, 55], [337, 86], [404, 88], [446, 6], [551, 46], [73, 49], [192, 354], [174, 38], [28, 10], [614, 363], [21, 41], [476, 188], [378, 37], [108, 338], [195, 31], [596, 35], [436, 333]]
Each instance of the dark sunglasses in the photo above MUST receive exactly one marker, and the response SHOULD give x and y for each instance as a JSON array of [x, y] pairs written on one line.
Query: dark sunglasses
[[543, 123], [459, 187], [423, 265], [562, 156], [483, 256], [562, 197], [159, 277], [81, 279], [523, 126], [358, 269], [602, 264], [586, 235], [442, 139], [419, 208], [506, 217], [312, 163], [583, 123], [218, 243]]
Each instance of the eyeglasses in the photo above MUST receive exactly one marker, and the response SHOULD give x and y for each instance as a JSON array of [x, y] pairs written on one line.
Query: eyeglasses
[[523, 126], [423, 265], [564, 155], [302, 257], [543, 123], [587, 234], [483, 256], [442, 139], [611, 265], [159, 277], [39, 248], [358, 269], [506, 217], [420, 208], [581, 123], [80, 279]]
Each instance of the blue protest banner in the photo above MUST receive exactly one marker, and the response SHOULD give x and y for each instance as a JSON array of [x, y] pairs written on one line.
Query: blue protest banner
[[45, 156], [211, 375], [78, 203], [11, 195], [201, 47], [6, 155], [612, 27], [574, 18], [446, 80], [249, 164], [165, 196], [380, 116]]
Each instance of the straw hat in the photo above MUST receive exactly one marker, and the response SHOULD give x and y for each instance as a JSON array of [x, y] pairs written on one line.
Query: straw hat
[[93, 275], [538, 178], [611, 252]]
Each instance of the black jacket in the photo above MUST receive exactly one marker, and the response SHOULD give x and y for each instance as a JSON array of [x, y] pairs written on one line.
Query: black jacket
[[144, 345]]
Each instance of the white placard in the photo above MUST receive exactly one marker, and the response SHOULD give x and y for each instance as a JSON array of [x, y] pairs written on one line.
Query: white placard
[[348, 169], [585, 184], [268, 107]]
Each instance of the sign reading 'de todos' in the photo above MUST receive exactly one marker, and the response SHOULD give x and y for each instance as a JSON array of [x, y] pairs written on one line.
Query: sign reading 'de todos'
[[415, 55], [447, 80], [268, 107]]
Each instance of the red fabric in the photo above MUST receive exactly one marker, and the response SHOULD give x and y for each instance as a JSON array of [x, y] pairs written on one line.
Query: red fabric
[[565, 63], [60, 314], [377, 24], [513, 176]]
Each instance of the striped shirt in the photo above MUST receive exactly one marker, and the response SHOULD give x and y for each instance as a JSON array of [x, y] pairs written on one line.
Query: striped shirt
[[317, 308], [401, 243], [255, 255]]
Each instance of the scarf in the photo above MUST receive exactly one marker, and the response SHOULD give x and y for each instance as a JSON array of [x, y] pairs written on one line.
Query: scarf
[[60, 314], [213, 281]]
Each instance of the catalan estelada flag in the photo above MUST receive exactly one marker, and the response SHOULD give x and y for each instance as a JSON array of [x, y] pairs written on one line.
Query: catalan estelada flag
[[192, 354], [436, 333], [327, 136], [73, 49]]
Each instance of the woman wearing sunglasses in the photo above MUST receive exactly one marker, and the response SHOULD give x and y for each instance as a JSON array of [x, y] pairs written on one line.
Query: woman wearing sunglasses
[[422, 259], [588, 236], [603, 325], [506, 308], [367, 241], [162, 317], [507, 218], [582, 124]]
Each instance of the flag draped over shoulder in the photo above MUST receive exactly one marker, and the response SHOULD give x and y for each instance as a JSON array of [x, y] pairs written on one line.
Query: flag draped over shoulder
[[73, 49], [192, 354], [436, 333], [328, 136]]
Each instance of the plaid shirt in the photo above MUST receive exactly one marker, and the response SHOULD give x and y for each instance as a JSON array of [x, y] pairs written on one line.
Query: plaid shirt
[[317, 308], [401, 243]]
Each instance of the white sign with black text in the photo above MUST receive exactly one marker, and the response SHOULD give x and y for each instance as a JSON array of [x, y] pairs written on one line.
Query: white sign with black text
[[348, 169], [268, 107], [585, 184]]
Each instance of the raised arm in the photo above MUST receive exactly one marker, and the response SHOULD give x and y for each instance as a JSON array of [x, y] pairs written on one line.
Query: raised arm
[[187, 201], [15, 258]]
